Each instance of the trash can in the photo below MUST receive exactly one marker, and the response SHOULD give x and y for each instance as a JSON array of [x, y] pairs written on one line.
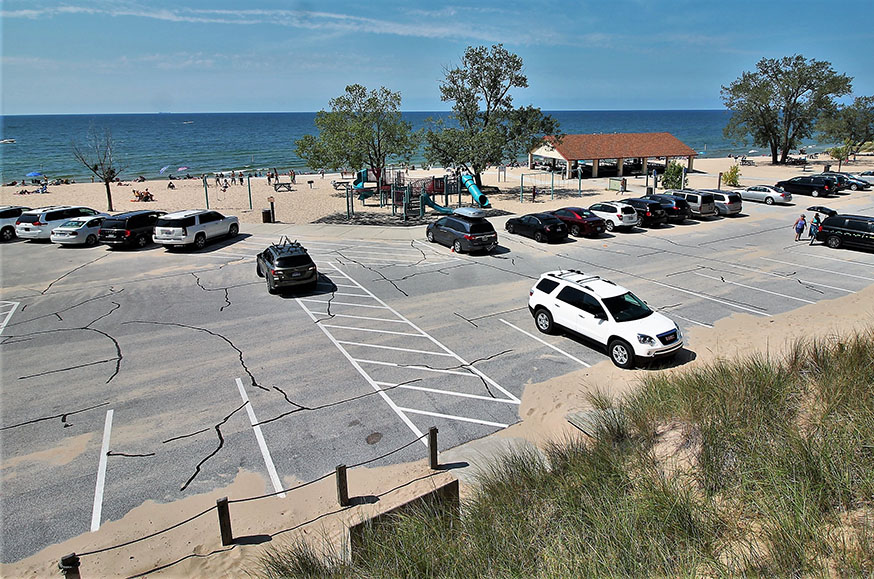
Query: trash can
[[266, 216], [827, 168], [649, 190]]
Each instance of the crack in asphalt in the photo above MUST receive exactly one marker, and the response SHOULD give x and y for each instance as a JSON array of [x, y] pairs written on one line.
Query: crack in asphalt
[[377, 272], [68, 308], [328, 314], [464, 366], [63, 417], [200, 285], [514, 272], [218, 431], [60, 319], [466, 319], [94, 321], [441, 270], [129, 455], [47, 372], [117, 359], [336, 403], [48, 287]]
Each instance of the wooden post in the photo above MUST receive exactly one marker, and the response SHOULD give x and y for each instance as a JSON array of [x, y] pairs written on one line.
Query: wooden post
[[224, 516], [342, 486], [432, 447], [719, 181], [69, 566]]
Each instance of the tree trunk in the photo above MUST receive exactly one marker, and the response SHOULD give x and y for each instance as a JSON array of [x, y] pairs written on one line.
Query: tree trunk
[[477, 177], [108, 197], [773, 153], [839, 165]]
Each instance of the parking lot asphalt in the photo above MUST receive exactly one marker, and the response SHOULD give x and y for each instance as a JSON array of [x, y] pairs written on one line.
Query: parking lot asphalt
[[151, 375]]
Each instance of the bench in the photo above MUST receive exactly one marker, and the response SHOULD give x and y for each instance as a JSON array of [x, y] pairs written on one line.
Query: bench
[[282, 186], [748, 162], [339, 185]]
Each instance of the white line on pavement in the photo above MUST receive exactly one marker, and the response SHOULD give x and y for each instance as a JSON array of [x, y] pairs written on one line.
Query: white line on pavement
[[370, 319], [97, 510], [785, 277], [262, 444], [547, 344], [335, 303], [372, 330], [8, 314], [719, 279], [712, 299], [672, 314], [448, 392], [430, 353], [807, 267], [853, 261], [453, 417], [415, 367]]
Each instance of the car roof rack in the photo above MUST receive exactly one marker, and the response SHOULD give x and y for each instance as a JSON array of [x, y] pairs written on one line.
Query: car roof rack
[[286, 243]]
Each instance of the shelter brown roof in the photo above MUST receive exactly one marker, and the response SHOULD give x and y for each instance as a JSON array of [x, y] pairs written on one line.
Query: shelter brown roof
[[622, 146]]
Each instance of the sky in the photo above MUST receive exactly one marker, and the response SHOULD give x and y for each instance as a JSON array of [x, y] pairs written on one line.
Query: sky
[[129, 56]]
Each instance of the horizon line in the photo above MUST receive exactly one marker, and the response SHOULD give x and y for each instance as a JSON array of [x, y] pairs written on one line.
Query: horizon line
[[3, 115]]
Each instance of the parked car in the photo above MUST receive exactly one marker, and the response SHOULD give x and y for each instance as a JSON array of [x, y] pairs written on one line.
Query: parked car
[[847, 181], [847, 230], [543, 227], [38, 223], [286, 265], [727, 202], [649, 210], [700, 204], [194, 227], [581, 221], [79, 230], [813, 185], [466, 230], [822, 209], [768, 194], [676, 208], [131, 229], [866, 176], [604, 312], [8, 216], [616, 214]]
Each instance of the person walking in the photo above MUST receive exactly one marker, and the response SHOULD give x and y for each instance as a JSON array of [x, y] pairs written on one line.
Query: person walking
[[800, 226], [815, 224]]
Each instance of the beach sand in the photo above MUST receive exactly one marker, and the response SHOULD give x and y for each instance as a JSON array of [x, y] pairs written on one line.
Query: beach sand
[[195, 550]]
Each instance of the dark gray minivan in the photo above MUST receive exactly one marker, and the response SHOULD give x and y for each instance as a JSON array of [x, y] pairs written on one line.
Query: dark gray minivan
[[850, 230]]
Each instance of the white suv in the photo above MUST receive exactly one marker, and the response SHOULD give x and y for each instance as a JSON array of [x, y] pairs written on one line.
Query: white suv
[[616, 214], [38, 223], [602, 311], [194, 227]]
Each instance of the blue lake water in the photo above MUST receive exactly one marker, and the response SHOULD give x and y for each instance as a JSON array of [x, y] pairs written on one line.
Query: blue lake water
[[207, 142]]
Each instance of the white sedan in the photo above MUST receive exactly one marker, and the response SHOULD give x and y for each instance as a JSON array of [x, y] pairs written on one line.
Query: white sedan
[[767, 193], [79, 230]]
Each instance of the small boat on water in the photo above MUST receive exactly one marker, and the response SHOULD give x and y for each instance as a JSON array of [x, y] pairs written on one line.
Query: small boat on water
[[187, 122], [7, 141]]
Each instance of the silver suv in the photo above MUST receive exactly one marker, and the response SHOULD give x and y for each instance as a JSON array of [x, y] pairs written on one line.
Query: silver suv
[[727, 202], [602, 311], [38, 223], [194, 227], [701, 203]]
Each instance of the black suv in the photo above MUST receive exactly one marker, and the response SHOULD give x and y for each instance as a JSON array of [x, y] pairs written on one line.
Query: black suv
[[465, 230], [651, 212], [815, 185], [676, 208], [131, 229], [286, 264], [849, 230]]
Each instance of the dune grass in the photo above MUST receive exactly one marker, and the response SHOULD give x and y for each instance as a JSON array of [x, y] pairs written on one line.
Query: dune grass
[[780, 482]]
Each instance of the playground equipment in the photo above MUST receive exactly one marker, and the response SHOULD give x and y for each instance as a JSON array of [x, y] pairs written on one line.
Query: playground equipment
[[365, 176], [426, 199], [468, 182]]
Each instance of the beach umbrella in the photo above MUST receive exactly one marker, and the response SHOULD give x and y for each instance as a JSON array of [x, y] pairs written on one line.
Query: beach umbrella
[[164, 168], [754, 151], [182, 168], [34, 174]]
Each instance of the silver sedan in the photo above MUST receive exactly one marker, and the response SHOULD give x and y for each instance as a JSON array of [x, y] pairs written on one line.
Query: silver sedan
[[766, 193], [79, 230]]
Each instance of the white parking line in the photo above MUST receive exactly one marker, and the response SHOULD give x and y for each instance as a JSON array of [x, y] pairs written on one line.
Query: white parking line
[[785, 277], [370, 319], [547, 344], [690, 320], [853, 261], [448, 392], [372, 330], [7, 313], [719, 279], [807, 267], [97, 509], [453, 417], [262, 444], [712, 299], [412, 367], [335, 303], [394, 348]]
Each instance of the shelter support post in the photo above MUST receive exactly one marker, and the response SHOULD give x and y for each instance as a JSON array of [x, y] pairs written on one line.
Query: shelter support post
[[620, 165], [595, 167], [530, 161], [689, 164], [645, 163]]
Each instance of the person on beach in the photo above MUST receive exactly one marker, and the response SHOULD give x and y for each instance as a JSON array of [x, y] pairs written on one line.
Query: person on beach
[[534, 194], [815, 224], [269, 177], [800, 226], [218, 183]]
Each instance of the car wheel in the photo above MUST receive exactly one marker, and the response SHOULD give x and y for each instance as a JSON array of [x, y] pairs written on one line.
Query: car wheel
[[854, 187], [270, 288], [769, 200], [233, 230], [142, 241], [609, 225], [543, 320], [91, 240], [258, 269], [7, 233], [430, 236], [538, 237], [511, 228], [833, 241], [621, 353], [576, 231], [815, 193], [199, 241], [456, 246]]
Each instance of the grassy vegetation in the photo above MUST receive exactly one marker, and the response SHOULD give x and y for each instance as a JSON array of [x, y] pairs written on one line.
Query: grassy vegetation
[[779, 481]]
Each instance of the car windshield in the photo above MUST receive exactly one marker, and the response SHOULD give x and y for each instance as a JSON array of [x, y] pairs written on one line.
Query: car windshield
[[73, 224], [183, 222], [114, 224], [627, 307]]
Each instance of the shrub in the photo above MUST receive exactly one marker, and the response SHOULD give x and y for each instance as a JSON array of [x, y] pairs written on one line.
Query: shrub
[[732, 176], [673, 177]]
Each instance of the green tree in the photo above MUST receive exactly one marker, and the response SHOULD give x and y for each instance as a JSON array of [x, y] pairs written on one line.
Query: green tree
[[361, 129], [732, 176], [485, 127], [852, 124], [673, 177], [778, 104], [841, 153], [97, 154]]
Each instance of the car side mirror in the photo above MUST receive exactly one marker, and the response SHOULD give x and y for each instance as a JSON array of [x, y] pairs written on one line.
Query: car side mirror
[[600, 316]]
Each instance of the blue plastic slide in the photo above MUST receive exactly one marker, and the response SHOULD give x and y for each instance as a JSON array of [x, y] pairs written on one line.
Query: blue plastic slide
[[470, 184], [360, 179], [426, 199]]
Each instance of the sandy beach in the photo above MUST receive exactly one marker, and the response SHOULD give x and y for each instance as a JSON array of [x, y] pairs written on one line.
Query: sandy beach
[[313, 197]]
